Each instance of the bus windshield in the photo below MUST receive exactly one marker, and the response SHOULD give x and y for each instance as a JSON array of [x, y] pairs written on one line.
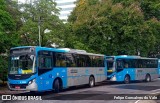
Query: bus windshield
[[110, 64], [22, 64]]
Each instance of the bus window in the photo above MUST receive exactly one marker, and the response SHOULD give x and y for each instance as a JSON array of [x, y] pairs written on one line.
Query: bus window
[[45, 62], [126, 65], [119, 64], [60, 60], [69, 60]]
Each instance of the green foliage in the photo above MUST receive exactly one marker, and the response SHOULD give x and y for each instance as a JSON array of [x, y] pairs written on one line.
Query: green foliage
[[113, 27], [2, 4], [151, 12], [151, 8], [12, 8], [8, 35], [45, 14], [3, 67], [7, 28]]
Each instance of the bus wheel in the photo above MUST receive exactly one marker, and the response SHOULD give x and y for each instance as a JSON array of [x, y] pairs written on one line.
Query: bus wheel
[[56, 86], [127, 79], [91, 81], [148, 78]]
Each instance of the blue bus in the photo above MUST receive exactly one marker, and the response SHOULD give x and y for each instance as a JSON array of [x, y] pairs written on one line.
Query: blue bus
[[159, 67], [124, 68], [34, 68]]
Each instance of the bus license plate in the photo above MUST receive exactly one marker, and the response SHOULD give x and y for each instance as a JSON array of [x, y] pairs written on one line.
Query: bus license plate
[[17, 87]]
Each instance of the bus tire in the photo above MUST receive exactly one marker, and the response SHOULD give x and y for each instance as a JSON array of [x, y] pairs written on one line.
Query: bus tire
[[57, 86], [127, 79], [91, 81], [148, 78]]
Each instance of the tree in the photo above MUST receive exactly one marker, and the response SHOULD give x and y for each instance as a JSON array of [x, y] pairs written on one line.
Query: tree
[[8, 37], [41, 13], [13, 8], [7, 28], [151, 12], [151, 9], [112, 28]]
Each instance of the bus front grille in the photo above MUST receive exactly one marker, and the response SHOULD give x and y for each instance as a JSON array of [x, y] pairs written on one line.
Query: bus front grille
[[22, 86]]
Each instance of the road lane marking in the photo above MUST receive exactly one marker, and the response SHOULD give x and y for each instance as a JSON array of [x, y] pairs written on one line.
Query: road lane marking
[[137, 101]]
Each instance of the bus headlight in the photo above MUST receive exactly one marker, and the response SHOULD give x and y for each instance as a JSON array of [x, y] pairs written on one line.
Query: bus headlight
[[113, 78], [30, 82], [32, 86]]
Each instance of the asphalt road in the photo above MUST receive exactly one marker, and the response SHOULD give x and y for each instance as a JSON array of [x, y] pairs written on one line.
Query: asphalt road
[[102, 93]]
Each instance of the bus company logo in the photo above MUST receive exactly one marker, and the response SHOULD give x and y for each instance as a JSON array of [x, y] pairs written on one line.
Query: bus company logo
[[6, 97]]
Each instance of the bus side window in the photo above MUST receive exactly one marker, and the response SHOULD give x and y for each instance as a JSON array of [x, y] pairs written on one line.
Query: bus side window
[[70, 62], [126, 65], [119, 64], [60, 60]]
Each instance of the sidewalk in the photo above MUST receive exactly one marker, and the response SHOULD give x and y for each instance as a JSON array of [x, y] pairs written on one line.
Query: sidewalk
[[3, 88]]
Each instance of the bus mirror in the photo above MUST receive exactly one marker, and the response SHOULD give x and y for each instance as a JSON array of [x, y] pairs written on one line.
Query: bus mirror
[[31, 57]]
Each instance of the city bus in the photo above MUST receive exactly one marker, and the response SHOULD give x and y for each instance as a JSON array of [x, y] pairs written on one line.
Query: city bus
[[159, 68], [157, 56], [124, 68], [35, 68]]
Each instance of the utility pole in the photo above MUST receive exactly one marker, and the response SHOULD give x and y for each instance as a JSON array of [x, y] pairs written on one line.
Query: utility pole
[[39, 28], [39, 23]]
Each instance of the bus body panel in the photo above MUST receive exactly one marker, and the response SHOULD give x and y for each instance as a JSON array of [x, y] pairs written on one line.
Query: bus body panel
[[159, 67], [142, 72], [159, 73], [45, 80], [79, 76], [126, 71], [25, 81]]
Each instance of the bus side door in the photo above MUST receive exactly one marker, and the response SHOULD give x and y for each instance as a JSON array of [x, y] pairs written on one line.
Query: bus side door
[[45, 65]]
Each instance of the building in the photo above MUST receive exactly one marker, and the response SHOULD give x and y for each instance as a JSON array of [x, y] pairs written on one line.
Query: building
[[66, 7]]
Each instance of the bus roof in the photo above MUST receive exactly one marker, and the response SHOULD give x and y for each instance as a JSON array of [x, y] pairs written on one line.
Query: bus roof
[[130, 57], [59, 50], [22, 47], [40, 48]]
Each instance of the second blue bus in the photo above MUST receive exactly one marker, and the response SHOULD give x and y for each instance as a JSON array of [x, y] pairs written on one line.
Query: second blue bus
[[124, 68]]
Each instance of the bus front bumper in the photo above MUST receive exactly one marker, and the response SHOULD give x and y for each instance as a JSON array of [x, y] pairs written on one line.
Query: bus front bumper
[[112, 78], [23, 87]]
